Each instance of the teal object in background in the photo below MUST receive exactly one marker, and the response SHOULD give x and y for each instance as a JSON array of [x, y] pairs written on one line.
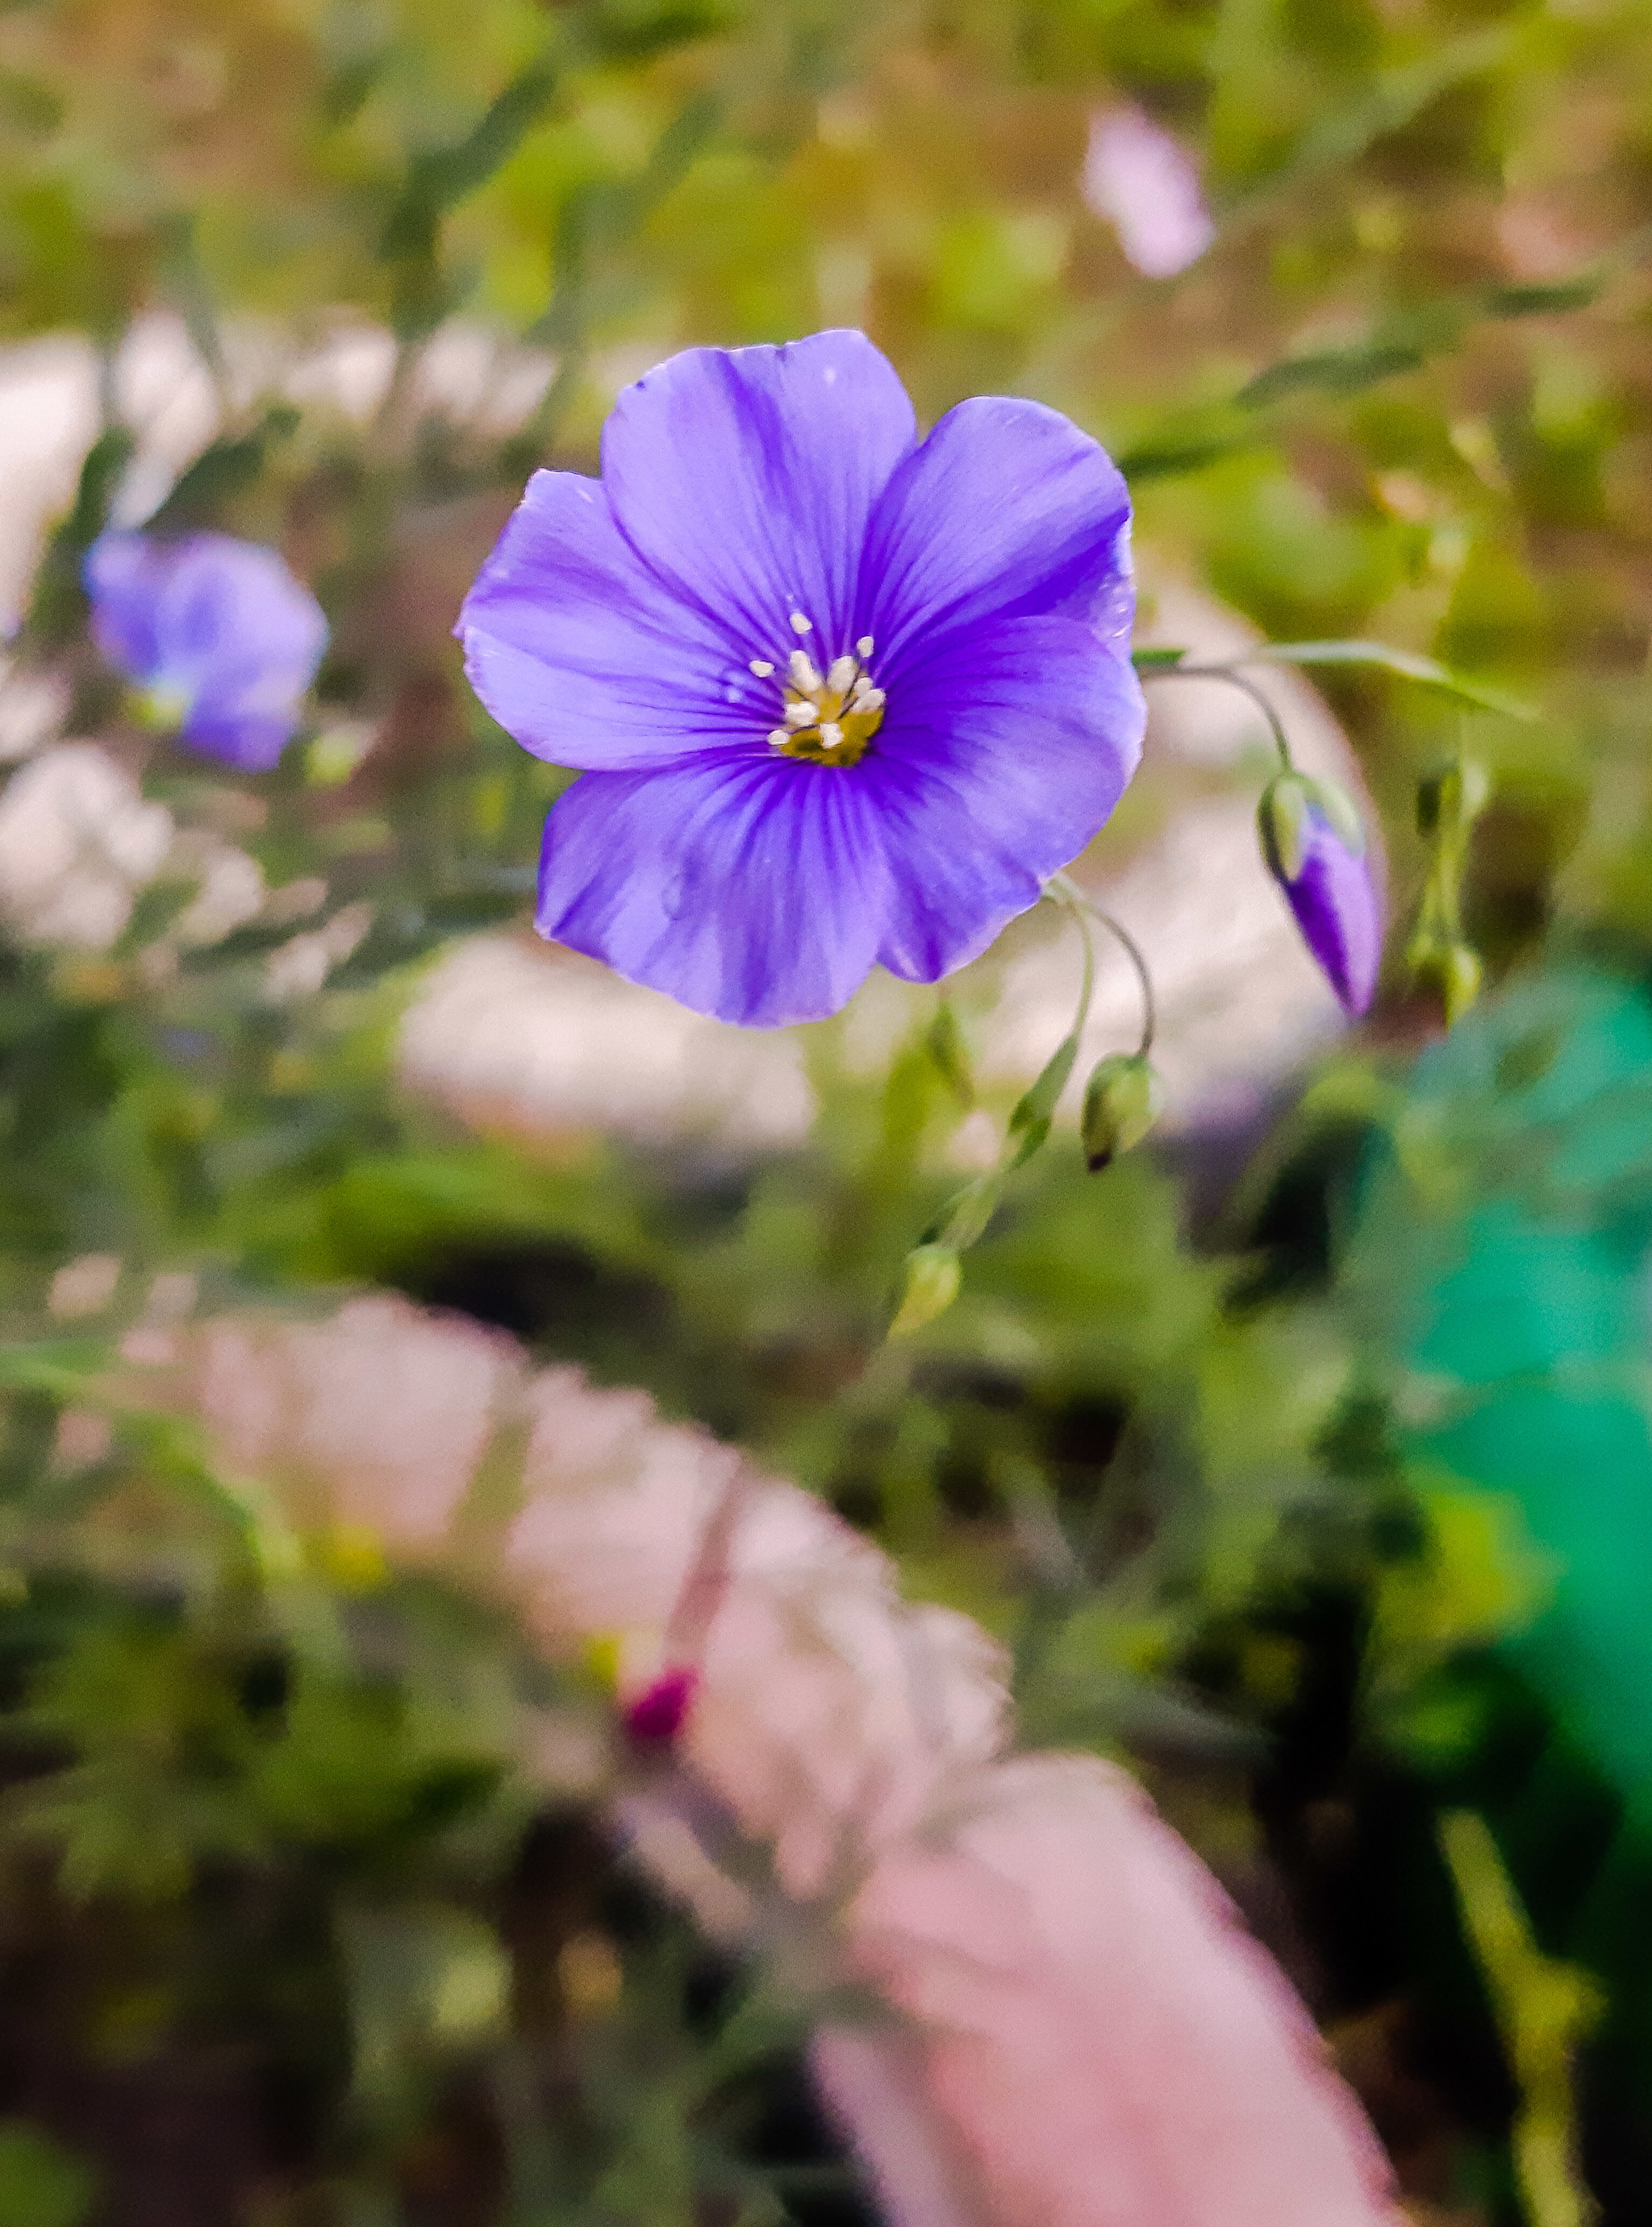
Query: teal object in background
[[1502, 1250]]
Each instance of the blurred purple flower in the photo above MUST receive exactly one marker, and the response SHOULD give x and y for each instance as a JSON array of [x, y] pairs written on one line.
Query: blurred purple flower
[[1337, 909], [1143, 182], [216, 633], [841, 696]]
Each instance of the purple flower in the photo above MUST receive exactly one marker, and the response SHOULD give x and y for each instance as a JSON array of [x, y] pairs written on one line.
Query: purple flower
[[218, 635], [1337, 909], [1144, 183], [842, 697]]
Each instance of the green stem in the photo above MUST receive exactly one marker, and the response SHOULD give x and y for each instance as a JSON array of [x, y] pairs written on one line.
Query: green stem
[[1068, 892], [1219, 671]]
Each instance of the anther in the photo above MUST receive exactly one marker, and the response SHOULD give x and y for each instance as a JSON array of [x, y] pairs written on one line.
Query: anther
[[778, 738], [865, 645], [831, 735], [801, 666], [867, 699], [800, 624], [762, 667], [840, 672], [801, 715]]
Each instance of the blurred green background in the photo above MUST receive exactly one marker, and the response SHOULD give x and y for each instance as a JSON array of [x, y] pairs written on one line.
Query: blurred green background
[[1339, 1420]]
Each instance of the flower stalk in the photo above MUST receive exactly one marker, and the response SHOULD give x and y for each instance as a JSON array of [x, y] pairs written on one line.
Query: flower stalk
[[1122, 1101], [1449, 801]]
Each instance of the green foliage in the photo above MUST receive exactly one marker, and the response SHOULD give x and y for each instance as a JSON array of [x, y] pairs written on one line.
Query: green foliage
[[42, 2185]]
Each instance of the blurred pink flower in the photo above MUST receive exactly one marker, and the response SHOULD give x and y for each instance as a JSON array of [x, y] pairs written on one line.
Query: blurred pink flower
[[374, 1420], [1102, 2044], [1145, 184], [1074, 2031], [827, 1711]]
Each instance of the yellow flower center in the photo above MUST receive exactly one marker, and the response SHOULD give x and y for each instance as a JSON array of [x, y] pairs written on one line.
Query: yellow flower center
[[827, 718]]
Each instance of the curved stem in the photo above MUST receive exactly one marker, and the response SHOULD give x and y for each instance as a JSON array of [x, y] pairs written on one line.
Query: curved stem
[[1069, 892], [1070, 895], [1220, 672]]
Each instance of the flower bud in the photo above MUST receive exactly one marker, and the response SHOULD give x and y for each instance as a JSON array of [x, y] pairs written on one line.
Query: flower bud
[[1122, 1099], [1450, 798], [1329, 888], [1281, 822], [654, 1718], [1453, 969], [933, 1275]]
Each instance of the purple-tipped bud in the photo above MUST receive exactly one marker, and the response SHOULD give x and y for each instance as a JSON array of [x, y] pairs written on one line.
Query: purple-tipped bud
[[654, 1718], [1329, 888]]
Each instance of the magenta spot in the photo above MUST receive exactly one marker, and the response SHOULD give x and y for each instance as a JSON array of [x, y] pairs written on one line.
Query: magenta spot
[[658, 1713]]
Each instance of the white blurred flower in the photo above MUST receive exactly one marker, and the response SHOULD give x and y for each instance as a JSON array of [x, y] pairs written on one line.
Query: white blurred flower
[[84, 1286], [230, 890], [33, 707], [1145, 184], [77, 842], [298, 967]]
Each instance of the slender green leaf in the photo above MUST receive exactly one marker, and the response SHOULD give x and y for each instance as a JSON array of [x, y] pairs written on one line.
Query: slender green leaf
[[1406, 662]]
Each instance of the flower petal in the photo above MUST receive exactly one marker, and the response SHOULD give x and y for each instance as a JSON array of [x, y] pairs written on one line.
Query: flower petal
[[745, 479], [232, 619], [582, 655], [1335, 901], [1002, 755], [753, 891], [123, 574], [1007, 510], [252, 742]]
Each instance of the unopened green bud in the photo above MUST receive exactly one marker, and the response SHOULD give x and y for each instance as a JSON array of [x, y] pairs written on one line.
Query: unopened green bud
[[1122, 1099], [966, 1217], [1282, 824], [1460, 978], [1453, 969], [933, 1275], [1451, 796]]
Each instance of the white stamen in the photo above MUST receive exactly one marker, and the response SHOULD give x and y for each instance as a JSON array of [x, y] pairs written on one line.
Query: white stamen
[[865, 645], [830, 735], [800, 624], [801, 666], [839, 674], [778, 738], [762, 667], [801, 715], [867, 699]]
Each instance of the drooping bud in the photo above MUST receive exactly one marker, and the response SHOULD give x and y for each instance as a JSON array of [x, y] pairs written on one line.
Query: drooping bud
[[1453, 969], [1305, 827], [1122, 1099], [933, 1275], [1281, 823], [1451, 797]]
